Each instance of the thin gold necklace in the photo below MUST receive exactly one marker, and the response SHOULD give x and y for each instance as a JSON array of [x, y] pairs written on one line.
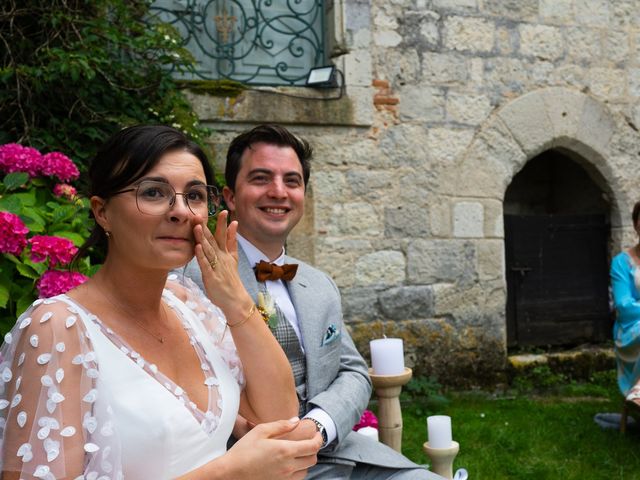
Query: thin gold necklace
[[159, 338]]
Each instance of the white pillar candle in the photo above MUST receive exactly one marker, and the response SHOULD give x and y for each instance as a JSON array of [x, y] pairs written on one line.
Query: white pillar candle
[[387, 356], [439, 431], [369, 432]]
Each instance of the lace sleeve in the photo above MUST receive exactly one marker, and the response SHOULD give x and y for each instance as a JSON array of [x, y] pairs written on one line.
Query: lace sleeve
[[211, 318], [53, 423]]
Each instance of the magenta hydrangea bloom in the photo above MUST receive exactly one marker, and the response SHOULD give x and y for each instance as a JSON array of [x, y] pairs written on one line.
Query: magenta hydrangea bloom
[[13, 233], [56, 164], [16, 158], [368, 419], [59, 250], [64, 190], [55, 282]]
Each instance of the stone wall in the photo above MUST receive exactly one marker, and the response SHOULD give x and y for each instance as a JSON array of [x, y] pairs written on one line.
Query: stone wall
[[446, 100]]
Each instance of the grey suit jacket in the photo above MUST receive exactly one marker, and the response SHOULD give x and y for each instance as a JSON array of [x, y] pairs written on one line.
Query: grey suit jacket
[[337, 376]]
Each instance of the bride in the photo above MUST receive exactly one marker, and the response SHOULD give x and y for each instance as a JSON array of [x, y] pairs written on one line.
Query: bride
[[137, 373]]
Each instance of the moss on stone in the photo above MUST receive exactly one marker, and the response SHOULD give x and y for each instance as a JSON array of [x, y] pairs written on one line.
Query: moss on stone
[[214, 88]]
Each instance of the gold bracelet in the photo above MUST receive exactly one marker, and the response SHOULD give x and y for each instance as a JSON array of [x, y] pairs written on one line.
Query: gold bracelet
[[251, 312]]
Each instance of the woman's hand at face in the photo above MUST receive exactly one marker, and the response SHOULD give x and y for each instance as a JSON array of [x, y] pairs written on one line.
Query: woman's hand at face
[[217, 256], [261, 455]]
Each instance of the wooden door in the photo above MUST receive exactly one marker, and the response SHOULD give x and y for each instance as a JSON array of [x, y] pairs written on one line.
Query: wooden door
[[557, 279]]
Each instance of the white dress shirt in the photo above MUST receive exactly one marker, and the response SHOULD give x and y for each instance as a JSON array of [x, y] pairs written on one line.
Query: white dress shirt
[[280, 294]]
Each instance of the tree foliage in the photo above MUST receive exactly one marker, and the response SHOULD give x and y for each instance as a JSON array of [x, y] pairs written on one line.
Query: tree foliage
[[72, 72]]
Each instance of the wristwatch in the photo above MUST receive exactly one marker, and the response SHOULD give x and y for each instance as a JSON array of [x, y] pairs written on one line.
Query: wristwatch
[[320, 428]]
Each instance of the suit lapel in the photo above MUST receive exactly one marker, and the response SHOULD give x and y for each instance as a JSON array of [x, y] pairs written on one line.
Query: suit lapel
[[247, 275]]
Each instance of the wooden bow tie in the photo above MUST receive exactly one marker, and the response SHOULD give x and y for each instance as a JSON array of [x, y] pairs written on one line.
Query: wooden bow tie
[[271, 271]]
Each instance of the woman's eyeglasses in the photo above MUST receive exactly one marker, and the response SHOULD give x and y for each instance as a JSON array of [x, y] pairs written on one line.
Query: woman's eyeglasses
[[157, 198]]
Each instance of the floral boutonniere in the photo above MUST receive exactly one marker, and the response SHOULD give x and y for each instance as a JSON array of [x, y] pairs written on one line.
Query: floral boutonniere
[[267, 308]]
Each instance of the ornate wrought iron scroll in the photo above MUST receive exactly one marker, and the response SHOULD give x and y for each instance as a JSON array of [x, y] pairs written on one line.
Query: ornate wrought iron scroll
[[264, 42]]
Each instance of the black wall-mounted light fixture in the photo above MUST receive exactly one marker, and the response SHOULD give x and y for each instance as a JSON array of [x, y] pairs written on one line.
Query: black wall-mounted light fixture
[[322, 77]]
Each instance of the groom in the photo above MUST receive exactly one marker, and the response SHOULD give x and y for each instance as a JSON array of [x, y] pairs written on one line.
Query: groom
[[267, 172]]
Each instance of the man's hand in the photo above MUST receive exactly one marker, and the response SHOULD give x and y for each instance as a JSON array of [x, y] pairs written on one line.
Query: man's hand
[[305, 430]]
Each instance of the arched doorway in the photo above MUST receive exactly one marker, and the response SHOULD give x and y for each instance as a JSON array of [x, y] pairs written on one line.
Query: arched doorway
[[556, 219]]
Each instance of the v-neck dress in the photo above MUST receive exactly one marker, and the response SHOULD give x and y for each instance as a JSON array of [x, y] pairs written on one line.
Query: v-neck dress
[[76, 399]]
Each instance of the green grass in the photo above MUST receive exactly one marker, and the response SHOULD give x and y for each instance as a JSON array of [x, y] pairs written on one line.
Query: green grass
[[528, 433]]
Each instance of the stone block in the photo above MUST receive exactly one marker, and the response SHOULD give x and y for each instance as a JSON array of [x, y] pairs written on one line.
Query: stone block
[[494, 156], [406, 303], [360, 304], [527, 120], [468, 109], [368, 185], [399, 66], [456, 5], [506, 41], [439, 261], [357, 218], [493, 218], [569, 76], [596, 126], [422, 103], [634, 82], [506, 74], [617, 46], [594, 13], [518, 9], [329, 184], [468, 220], [564, 110], [447, 144], [440, 219], [491, 260], [468, 34], [556, 11], [444, 68], [405, 145], [357, 68], [583, 43], [386, 38], [386, 267], [406, 221], [541, 41]]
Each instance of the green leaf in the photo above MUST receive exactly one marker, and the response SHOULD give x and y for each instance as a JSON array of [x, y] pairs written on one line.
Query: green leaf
[[63, 212], [33, 220], [27, 271], [24, 302], [28, 199], [4, 296], [74, 237], [15, 180], [11, 203]]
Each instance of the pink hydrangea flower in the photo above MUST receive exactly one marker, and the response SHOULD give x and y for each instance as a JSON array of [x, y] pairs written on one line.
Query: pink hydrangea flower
[[54, 282], [59, 250], [56, 164], [13, 233], [16, 158], [64, 190], [368, 419]]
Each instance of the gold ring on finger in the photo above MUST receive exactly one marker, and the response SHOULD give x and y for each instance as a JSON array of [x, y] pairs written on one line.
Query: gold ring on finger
[[214, 262]]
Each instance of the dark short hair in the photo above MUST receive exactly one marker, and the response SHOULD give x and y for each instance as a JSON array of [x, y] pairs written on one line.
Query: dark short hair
[[272, 135], [635, 214], [127, 156]]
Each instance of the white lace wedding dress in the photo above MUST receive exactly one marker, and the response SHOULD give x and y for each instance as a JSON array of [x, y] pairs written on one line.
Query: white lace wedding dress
[[77, 402]]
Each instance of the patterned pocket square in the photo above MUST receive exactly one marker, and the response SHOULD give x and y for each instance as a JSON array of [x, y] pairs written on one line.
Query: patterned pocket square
[[331, 335]]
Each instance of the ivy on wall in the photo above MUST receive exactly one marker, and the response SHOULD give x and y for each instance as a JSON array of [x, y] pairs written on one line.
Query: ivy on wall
[[72, 72]]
